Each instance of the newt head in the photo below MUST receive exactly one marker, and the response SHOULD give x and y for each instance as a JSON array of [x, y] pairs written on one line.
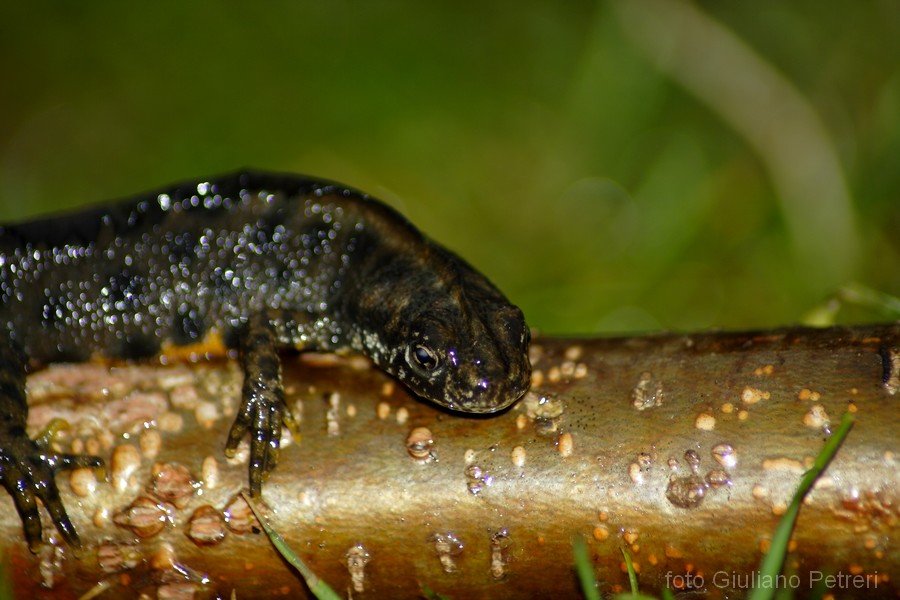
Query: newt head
[[462, 346], [474, 365]]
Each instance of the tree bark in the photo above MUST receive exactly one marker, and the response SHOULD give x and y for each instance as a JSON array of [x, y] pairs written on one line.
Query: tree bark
[[682, 449]]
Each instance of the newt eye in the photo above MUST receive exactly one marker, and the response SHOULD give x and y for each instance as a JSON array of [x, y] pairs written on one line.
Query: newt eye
[[425, 357]]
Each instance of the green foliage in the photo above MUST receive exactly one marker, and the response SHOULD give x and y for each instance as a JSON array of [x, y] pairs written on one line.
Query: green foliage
[[538, 139], [319, 588], [584, 568], [774, 559]]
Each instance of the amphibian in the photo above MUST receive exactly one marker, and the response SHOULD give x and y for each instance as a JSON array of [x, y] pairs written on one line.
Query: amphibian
[[263, 262]]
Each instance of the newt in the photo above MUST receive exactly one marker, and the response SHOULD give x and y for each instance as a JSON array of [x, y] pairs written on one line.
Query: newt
[[264, 262]]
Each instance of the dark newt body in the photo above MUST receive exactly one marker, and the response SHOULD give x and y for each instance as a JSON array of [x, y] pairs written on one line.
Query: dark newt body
[[264, 261]]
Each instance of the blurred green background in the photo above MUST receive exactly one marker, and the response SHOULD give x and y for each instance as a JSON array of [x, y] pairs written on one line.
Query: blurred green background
[[613, 166]]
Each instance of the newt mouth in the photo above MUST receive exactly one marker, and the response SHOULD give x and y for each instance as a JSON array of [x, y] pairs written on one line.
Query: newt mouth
[[485, 398]]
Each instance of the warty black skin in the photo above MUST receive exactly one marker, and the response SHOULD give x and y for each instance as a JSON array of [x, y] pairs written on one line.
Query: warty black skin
[[266, 261]]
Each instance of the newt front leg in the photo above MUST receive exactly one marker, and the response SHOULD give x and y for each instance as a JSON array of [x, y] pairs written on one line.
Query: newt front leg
[[263, 409], [28, 467]]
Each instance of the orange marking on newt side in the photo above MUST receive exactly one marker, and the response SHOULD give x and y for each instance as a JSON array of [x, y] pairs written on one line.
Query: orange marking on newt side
[[212, 345]]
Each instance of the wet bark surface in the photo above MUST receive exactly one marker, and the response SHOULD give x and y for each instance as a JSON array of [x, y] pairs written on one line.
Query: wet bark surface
[[682, 449]]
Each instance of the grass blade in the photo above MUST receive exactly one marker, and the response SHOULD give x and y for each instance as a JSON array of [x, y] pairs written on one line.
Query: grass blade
[[319, 588], [774, 560], [585, 570]]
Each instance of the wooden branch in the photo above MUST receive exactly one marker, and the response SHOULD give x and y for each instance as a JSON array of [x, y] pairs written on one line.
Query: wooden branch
[[683, 449]]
